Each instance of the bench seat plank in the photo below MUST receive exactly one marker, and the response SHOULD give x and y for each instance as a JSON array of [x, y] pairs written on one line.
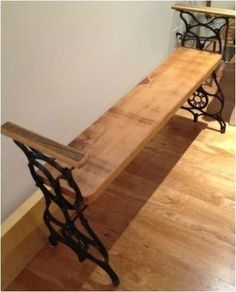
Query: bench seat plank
[[119, 134], [56, 150]]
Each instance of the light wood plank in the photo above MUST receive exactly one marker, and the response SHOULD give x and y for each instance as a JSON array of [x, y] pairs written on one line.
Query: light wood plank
[[207, 10], [117, 137], [56, 150]]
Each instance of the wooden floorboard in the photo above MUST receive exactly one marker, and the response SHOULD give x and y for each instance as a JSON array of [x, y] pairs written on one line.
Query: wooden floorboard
[[167, 220]]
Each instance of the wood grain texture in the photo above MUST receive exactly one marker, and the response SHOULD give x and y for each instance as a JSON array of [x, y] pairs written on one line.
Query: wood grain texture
[[117, 136], [56, 150], [207, 10]]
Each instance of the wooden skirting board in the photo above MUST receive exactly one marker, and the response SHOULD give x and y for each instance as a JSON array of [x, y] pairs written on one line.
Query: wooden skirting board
[[23, 235]]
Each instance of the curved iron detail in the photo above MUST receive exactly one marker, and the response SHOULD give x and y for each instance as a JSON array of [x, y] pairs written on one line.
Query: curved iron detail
[[66, 229], [198, 102], [194, 37], [193, 27]]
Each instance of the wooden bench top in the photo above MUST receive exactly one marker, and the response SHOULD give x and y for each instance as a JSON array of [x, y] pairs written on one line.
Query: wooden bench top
[[47, 146], [119, 134], [112, 141], [204, 9]]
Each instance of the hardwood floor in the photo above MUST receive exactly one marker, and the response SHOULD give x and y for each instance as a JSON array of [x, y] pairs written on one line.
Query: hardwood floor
[[167, 220]]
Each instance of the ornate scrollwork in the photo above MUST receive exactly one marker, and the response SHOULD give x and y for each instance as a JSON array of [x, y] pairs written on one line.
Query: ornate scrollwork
[[65, 229], [198, 102], [194, 36]]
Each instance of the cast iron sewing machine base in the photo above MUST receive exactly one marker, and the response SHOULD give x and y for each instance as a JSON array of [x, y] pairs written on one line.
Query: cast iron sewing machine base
[[66, 229]]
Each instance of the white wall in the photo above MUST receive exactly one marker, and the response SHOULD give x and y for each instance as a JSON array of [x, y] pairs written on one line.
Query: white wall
[[223, 4], [65, 63], [214, 3]]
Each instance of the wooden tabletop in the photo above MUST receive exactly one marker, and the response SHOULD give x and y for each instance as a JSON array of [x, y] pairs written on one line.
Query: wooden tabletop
[[207, 10], [118, 135]]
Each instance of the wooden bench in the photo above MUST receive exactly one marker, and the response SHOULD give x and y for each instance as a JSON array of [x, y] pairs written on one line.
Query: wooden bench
[[96, 157]]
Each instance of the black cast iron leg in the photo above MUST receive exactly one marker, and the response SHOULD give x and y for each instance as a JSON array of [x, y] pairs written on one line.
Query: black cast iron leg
[[52, 239], [192, 24], [114, 278], [199, 101], [221, 98], [101, 248], [195, 117], [108, 269], [80, 242], [86, 255], [72, 228]]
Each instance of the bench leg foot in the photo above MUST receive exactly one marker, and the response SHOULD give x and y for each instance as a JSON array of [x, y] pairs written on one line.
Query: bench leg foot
[[78, 235], [96, 243], [199, 101], [52, 239], [71, 227], [114, 278], [81, 243], [195, 117]]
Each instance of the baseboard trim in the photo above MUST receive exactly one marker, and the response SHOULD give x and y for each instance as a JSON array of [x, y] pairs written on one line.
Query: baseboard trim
[[23, 236]]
